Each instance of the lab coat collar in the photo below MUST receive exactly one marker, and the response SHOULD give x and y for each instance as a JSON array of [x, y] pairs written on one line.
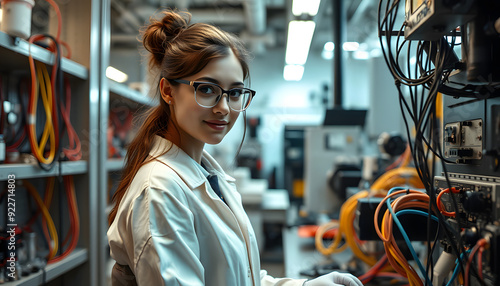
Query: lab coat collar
[[186, 167]]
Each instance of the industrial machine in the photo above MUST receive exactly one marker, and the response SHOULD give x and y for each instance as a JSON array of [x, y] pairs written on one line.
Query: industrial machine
[[450, 100], [337, 142]]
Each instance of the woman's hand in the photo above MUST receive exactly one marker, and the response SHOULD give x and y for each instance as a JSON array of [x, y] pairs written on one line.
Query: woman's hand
[[334, 279]]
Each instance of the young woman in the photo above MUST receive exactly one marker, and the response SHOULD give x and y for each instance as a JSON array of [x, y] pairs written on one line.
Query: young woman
[[178, 219]]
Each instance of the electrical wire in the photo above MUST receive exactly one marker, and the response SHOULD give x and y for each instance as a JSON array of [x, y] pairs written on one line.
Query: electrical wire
[[48, 134], [74, 231], [53, 243], [74, 152], [480, 243], [441, 205], [429, 76]]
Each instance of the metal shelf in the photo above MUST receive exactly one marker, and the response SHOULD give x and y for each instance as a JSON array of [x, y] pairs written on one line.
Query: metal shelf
[[27, 171], [115, 164], [131, 94], [52, 271], [15, 52]]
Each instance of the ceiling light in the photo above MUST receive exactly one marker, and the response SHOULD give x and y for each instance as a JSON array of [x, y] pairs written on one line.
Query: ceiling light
[[300, 34], [361, 55], [329, 46], [293, 72], [350, 46], [116, 75], [327, 52], [310, 7]]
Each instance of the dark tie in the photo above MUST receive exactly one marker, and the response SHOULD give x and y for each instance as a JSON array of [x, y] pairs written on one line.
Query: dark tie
[[214, 183]]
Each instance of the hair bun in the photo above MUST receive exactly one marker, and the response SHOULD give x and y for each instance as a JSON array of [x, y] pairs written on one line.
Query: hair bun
[[159, 33], [174, 23]]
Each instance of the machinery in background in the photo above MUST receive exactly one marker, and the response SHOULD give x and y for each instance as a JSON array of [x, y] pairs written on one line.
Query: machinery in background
[[462, 141], [293, 137], [250, 155], [338, 142]]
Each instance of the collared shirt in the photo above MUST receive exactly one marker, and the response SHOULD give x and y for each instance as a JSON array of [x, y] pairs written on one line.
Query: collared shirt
[[171, 228]]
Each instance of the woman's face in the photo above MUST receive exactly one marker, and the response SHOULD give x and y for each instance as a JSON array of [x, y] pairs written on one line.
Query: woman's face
[[199, 125]]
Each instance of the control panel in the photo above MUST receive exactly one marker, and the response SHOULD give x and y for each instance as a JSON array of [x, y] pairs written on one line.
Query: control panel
[[463, 141]]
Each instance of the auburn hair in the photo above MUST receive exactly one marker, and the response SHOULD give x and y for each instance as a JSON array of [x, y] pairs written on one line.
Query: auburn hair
[[176, 49]]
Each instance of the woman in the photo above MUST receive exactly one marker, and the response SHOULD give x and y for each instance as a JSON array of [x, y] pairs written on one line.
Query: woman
[[178, 219]]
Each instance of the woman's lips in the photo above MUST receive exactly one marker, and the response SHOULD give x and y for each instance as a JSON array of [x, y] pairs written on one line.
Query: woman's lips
[[216, 124]]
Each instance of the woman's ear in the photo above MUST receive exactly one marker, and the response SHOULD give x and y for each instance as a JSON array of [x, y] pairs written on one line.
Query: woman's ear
[[166, 90]]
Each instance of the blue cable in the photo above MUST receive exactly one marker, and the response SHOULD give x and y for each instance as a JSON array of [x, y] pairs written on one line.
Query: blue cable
[[405, 236], [457, 269]]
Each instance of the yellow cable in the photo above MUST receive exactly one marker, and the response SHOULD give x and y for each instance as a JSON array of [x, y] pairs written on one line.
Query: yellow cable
[[393, 250], [318, 239], [47, 98], [50, 223], [408, 173], [48, 132], [348, 228]]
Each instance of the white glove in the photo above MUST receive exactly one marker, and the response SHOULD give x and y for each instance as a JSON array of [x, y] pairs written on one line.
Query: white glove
[[334, 279]]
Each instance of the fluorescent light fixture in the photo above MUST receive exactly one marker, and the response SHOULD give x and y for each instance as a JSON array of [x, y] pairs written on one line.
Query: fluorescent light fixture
[[310, 7], [350, 46], [116, 75], [327, 52], [300, 34], [329, 46], [293, 72], [361, 55], [0, 15]]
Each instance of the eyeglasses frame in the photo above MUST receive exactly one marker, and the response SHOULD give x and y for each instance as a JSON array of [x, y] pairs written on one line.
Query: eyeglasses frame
[[195, 85]]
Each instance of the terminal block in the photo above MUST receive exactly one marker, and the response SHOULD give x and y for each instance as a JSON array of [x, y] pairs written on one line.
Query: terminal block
[[476, 201], [463, 141]]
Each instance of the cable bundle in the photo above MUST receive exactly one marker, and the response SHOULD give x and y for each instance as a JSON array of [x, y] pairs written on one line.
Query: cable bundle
[[51, 88], [395, 177], [397, 202], [49, 229], [420, 103], [53, 240]]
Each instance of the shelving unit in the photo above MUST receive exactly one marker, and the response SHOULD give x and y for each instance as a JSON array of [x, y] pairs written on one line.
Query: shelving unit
[[52, 271], [31, 171], [125, 92], [15, 52], [114, 164], [84, 73]]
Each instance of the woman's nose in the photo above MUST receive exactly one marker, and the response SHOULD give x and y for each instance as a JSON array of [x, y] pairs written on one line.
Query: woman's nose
[[223, 105]]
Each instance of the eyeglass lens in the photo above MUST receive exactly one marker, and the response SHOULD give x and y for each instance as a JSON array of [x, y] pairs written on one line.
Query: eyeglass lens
[[208, 95]]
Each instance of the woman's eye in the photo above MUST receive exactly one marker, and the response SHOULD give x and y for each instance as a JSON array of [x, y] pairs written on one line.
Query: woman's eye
[[206, 89], [235, 93]]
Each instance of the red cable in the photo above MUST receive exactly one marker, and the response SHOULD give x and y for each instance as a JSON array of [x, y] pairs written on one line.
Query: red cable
[[74, 152], [480, 243], [75, 220], [440, 204]]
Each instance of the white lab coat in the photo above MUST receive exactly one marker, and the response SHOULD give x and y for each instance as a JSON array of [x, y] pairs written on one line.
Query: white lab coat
[[172, 229]]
